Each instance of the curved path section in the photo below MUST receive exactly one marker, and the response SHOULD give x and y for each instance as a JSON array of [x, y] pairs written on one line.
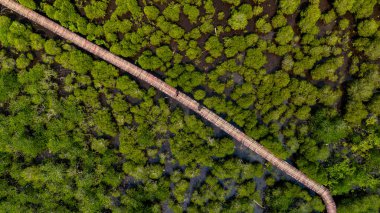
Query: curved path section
[[176, 95]]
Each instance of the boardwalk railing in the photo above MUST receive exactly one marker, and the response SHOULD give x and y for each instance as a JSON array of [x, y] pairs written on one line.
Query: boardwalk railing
[[176, 95]]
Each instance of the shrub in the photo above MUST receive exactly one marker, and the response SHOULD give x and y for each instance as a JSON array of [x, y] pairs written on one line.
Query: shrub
[[263, 26], [132, 6], [7, 65], [199, 94], [238, 21], [255, 59], [234, 45], [193, 53], [328, 69], [192, 12], [289, 7], [207, 27], [22, 62], [172, 11], [329, 96], [220, 16], [176, 32], [257, 10], [279, 20], [247, 10], [209, 7], [214, 46], [367, 28], [28, 3], [147, 61], [356, 112], [287, 63], [329, 17], [344, 23], [309, 19], [342, 6], [363, 8], [51, 47], [97, 9], [373, 50], [284, 35], [374, 105], [233, 2], [151, 12], [240, 17], [164, 53]]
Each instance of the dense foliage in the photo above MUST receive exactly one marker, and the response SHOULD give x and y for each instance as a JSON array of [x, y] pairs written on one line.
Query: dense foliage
[[302, 77]]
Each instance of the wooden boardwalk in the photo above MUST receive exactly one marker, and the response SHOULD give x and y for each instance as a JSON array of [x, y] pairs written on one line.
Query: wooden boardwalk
[[176, 95]]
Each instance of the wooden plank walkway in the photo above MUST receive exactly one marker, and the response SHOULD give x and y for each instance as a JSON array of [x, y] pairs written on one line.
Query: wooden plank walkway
[[176, 95]]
